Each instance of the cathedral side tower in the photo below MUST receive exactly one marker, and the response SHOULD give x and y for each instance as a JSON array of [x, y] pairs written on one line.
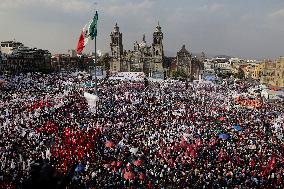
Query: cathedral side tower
[[116, 49], [157, 49]]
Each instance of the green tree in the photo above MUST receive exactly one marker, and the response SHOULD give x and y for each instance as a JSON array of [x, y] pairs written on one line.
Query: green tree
[[240, 74], [179, 74], [104, 61]]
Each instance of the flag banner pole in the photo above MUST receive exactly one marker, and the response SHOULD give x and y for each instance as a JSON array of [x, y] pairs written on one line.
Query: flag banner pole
[[95, 35]]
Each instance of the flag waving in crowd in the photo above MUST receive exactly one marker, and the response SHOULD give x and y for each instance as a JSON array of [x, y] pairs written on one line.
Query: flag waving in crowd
[[89, 31]]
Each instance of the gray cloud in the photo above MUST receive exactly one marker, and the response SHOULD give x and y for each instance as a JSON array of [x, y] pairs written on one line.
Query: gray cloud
[[221, 27], [277, 14]]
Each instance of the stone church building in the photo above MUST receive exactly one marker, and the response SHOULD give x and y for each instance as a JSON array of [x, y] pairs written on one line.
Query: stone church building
[[143, 58], [188, 65]]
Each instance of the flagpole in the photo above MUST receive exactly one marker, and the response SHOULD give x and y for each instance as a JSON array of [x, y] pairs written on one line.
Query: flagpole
[[95, 68]]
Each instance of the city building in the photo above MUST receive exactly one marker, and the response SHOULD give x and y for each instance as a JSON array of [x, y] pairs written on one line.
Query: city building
[[18, 58], [61, 62], [144, 57], [186, 65], [258, 70], [7, 47], [273, 73]]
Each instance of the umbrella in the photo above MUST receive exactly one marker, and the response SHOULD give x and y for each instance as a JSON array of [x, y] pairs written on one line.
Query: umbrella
[[237, 128], [119, 164], [138, 162], [141, 176], [109, 144], [133, 150], [221, 119], [113, 163], [210, 78], [80, 168], [129, 176], [224, 136]]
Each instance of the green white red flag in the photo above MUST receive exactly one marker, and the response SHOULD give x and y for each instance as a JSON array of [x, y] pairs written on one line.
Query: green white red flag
[[89, 31]]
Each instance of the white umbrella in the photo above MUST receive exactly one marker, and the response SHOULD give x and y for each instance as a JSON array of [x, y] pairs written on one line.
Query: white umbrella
[[133, 150]]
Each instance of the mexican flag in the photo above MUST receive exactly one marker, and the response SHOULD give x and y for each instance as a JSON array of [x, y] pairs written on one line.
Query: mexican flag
[[89, 31]]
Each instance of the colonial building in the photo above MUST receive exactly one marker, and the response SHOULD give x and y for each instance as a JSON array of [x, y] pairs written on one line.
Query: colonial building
[[116, 48], [67, 62], [7, 47], [187, 65], [143, 57], [18, 58], [273, 72], [258, 70]]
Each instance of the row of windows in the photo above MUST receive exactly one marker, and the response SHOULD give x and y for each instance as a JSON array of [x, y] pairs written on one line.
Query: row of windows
[[6, 45]]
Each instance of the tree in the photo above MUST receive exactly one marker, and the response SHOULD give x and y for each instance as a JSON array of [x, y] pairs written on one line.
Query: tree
[[105, 61], [240, 74]]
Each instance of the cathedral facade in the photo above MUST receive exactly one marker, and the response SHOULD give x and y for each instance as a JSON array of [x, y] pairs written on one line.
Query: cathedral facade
[[143, 58], [187, 65]]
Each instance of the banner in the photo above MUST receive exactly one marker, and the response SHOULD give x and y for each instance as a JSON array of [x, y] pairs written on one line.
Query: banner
[[254, 103]]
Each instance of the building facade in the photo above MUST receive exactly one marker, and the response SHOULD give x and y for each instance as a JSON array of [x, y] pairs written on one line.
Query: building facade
[[187, 65], [273, 72], [67, 62], [143, 57], [18, 58], [7, 47]]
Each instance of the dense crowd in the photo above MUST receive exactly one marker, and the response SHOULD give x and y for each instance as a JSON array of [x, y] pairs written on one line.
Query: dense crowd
[[165, 135]]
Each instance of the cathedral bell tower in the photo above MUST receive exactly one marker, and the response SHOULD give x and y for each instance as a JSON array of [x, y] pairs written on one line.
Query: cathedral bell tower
[[157, 49], [116, 49]]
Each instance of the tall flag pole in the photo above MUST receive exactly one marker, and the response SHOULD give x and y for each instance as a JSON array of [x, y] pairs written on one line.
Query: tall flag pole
[[93, 34], [89, 32]]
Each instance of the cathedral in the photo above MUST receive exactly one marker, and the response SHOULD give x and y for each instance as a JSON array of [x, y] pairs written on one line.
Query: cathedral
[[143, 57], [188, 65]]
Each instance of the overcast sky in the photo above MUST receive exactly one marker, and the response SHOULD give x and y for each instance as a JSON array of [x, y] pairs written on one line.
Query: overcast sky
[[243, 28]]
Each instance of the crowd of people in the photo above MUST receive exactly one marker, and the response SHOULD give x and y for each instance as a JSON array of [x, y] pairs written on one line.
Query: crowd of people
[[165, 135]]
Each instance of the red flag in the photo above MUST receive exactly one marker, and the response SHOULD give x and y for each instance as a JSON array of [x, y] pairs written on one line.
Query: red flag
[[270, 166], [252, 163], [271, 163]]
